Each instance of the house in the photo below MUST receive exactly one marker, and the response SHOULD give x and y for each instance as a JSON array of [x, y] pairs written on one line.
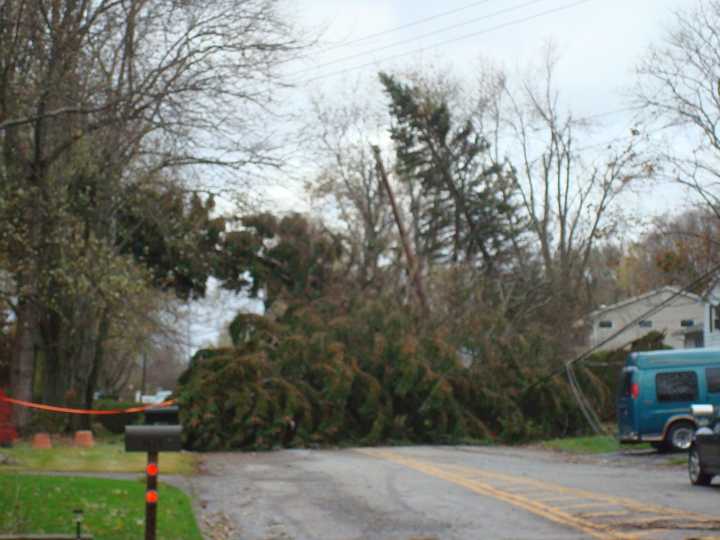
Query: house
[[682, 316], [711, 328]]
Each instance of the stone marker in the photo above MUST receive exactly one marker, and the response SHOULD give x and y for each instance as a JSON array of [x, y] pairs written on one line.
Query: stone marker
[[84, 439], [41, 441]]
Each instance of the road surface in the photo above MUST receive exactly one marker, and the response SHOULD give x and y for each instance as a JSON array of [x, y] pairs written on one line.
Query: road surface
[[453, 493]]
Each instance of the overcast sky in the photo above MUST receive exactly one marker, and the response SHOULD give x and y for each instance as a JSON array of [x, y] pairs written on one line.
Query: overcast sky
[[599, 43]]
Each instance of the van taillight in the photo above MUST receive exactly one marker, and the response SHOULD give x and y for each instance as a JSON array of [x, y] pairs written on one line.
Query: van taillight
[[635, 391]]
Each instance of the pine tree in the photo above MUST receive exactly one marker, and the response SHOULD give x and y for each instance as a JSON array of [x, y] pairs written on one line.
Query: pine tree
[[465, 211]]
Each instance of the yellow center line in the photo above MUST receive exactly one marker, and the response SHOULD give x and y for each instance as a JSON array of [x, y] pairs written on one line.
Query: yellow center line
[[631, 504], [584, 505], [604, 514], [646, 520], [558, 498], [532, 495], [595, 530]]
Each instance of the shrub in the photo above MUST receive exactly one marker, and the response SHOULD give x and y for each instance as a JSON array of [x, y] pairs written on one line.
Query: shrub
[[116, 423]]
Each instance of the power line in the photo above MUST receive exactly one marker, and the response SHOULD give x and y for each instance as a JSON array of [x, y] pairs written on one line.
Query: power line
[[609, 113], [449, 41], [605, 143], [585, 406], [586, 354], [404, 26], [416, 38], [583, 403]]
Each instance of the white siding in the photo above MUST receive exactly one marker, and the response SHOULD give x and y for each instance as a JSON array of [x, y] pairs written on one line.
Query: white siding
[[712, 335], [666, 320]]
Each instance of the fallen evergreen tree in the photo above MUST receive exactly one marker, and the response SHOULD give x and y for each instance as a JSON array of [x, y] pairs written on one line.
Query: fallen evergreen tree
[[366, 379], [333, 363]]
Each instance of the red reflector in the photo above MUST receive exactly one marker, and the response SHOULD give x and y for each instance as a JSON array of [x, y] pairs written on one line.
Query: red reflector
[[151, 497], [635, 390], [152, 469]]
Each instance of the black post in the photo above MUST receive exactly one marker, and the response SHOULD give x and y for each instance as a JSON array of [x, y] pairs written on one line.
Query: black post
[[151, 496], [78, 523]]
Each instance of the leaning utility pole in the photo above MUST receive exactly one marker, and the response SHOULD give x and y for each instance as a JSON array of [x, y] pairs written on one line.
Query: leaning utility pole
[[413, 270]]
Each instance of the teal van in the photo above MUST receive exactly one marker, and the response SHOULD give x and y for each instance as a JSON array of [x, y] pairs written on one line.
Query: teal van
[[656, 390]]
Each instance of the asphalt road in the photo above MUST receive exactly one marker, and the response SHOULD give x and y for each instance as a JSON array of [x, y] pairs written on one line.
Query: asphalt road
[[438, 493]]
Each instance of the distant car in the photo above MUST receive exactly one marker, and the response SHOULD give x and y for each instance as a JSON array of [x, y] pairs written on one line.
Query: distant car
[[156, 398], [655, 393], [704, 454]]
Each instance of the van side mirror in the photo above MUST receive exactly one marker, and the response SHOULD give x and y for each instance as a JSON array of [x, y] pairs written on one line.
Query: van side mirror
[[703, 414], [702, 410]]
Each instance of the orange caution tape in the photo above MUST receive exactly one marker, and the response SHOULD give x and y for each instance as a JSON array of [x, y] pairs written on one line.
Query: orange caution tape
[[52, 408]]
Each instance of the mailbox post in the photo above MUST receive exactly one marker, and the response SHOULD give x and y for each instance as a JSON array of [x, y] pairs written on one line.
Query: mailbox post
[[151, 496], [154, 439]]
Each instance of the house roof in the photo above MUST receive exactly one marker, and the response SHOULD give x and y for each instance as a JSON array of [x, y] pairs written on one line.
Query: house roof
[[712, 293], [650, 294]]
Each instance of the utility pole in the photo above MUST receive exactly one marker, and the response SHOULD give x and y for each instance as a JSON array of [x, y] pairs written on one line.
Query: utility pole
[[413, 270]]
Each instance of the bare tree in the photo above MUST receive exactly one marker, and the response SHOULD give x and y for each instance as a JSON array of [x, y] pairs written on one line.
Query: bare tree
[[348, 186], [678, 87], [570, 200], [676, 250]]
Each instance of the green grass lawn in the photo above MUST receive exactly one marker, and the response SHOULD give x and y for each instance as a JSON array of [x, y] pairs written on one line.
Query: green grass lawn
[[598, 444], [113, 509], [104, 457]]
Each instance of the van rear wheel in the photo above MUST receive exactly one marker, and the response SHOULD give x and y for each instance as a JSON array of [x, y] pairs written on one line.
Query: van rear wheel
[[679, 436]]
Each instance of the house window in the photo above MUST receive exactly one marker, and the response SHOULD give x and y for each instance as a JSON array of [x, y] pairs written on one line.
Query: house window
[[605, 324], [645, 324], [687, 322], [676, 386]]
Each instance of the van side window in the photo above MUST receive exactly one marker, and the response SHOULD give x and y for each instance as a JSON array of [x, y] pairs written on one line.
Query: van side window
[[712, 374], [676, 386]]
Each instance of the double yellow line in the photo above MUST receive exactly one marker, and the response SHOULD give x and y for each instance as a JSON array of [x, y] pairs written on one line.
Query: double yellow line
[[479, 481]]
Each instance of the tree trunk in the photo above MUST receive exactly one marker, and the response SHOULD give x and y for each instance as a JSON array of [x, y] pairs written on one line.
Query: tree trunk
[[23, 363], [95, 369], [55, 369]]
